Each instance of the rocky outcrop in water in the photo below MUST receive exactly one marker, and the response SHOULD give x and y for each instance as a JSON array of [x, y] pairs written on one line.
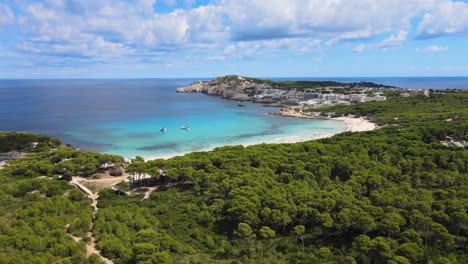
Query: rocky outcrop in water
[[231, 87]]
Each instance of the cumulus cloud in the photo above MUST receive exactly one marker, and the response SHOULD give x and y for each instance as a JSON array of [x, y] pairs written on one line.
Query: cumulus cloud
[[137, 26], [338, 19], [6, 15], [445, 19], [394, 40], [216, 58], [433, 49], [360, 48], [108, 28], [253, 49], [95, 31]]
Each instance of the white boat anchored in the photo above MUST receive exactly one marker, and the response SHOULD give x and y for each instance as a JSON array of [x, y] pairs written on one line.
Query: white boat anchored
[[163, 129], [186, 127]]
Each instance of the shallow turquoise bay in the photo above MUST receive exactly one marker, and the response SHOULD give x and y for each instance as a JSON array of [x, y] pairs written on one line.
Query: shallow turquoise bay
[[226, 126], [125, 116]]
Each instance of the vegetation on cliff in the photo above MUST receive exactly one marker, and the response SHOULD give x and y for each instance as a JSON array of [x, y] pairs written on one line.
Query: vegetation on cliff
[[19, 141], [302, 85], [244, 88]]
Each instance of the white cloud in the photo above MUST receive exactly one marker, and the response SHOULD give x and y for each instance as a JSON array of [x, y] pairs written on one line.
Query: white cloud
[[446, 18], [41, 13], [230, 50], [334, 19], [394, 40], [92, 30], [216, 58], [360, 48], [6, 15], [433, 49], [60, 25], [252, 49]]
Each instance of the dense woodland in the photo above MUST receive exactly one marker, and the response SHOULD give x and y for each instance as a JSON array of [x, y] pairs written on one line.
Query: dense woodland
[[303, 85], [21, 141], [392, 195], [40, 211]]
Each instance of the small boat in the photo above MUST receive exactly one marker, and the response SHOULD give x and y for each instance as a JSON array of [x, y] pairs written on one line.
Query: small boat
[[241, 105], [186, 127], [163, 129]]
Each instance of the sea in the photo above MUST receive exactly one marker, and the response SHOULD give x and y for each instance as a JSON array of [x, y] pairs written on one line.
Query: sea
[[124, 116]]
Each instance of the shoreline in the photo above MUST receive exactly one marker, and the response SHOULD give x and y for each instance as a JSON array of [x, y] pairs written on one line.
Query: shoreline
[[352, 124], [356, 124]]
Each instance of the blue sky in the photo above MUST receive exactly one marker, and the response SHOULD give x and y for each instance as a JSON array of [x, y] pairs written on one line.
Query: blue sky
[[274, 38]]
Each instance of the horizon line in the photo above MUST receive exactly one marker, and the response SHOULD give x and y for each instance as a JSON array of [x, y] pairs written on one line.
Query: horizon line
[[260, 77]]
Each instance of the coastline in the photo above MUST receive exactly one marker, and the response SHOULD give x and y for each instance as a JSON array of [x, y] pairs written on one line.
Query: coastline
[[355, 124], [352, 124]]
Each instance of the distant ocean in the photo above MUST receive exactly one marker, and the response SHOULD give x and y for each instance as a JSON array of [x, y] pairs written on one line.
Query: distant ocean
[[402, 82], [125, 116]]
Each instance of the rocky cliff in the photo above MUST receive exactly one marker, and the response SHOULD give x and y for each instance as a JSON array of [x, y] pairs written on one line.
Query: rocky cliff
[[230, 87]]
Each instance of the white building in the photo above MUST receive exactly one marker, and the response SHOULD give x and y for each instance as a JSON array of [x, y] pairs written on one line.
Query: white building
[[416, 92], [361, 98]]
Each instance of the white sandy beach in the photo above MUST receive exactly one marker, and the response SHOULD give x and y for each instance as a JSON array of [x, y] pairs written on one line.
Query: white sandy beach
[[352, 124]]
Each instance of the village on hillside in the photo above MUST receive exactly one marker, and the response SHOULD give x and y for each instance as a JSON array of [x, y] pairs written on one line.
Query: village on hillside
[[311, 94], [331, 96]]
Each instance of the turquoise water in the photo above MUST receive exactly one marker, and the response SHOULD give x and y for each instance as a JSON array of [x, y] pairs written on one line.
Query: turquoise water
[[227, 126], [125, 116]]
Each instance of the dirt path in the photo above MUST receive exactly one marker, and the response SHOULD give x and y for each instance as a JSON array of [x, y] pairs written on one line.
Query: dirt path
[[112, 180], [91, 247], [148, 192]]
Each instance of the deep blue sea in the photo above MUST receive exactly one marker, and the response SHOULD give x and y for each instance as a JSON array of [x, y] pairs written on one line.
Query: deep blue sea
[[402, 82], [125, 116]]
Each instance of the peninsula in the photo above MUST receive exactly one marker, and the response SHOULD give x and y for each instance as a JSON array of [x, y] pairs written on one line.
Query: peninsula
[[303, 99], [288, 93], [293, 96]]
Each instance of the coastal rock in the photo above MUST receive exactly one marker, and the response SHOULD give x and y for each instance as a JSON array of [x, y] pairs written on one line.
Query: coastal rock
[[14, 154], [196, 87], [229, 87], [297, 112]]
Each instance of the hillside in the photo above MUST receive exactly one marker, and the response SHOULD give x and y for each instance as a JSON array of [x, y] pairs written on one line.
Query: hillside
[[244, 88]]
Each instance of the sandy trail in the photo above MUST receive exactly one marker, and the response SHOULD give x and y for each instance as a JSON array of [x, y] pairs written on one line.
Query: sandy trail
[[91, 247], [148, 192]]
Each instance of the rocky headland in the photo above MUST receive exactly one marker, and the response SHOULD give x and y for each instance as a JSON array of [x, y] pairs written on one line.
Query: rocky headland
[[285, 93], [229, 87]]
